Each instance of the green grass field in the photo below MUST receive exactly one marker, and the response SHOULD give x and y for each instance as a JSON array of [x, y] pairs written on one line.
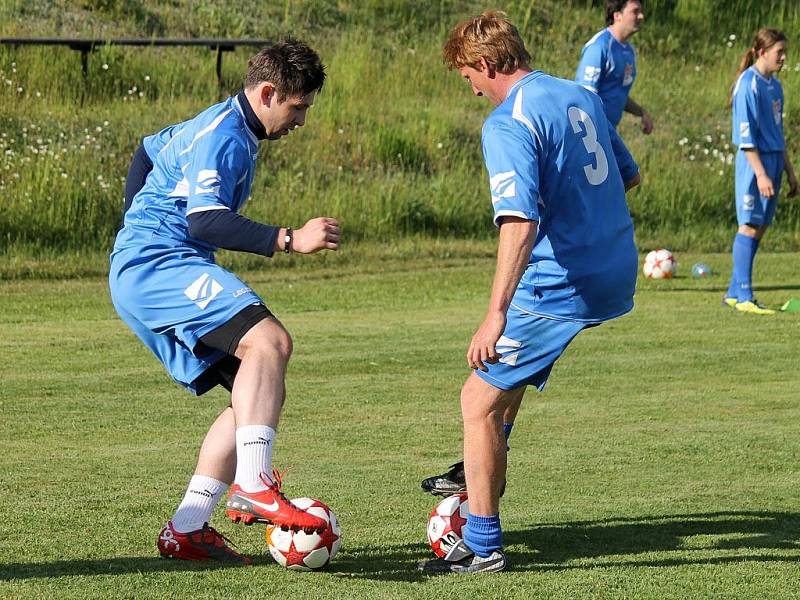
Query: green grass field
[[661, 461]]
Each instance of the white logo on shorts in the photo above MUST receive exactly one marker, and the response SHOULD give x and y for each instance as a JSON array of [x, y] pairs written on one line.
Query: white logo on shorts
[[204, 289], [506, 346], [748, 202]]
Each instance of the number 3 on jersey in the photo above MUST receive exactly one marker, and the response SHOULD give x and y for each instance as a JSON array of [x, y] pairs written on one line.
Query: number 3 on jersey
[[597, 174]]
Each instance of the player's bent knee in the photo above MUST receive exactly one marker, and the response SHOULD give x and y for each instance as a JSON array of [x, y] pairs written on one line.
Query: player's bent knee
[[475, 408], [267, 337]]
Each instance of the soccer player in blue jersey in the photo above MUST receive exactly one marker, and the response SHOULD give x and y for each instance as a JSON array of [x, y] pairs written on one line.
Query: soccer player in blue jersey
[[757, 102], [566, 258], [201, 321], [608, 62]]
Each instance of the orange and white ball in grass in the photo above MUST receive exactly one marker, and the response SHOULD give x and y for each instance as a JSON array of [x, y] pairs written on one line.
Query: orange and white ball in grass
[[660, 264]]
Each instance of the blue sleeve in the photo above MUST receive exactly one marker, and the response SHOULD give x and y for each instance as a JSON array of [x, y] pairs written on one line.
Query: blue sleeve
[[216, 166], [627, 165], [512, 160], [745, 114], [230, 230], [153, 144], [590, 68]]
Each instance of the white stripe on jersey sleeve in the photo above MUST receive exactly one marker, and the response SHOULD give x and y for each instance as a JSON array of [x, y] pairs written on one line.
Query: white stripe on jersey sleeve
[[517, 115], [214, 124], [610, 66], [738, 81], [172, 139], [594, 38], [198, 209]]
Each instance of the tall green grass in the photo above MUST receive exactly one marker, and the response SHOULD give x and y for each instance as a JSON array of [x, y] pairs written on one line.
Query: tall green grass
[[392, 145]]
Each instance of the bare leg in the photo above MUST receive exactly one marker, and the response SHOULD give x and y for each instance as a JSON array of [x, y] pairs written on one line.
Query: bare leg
[[482, 408], [217, 457], [512, 410], [258, 390]]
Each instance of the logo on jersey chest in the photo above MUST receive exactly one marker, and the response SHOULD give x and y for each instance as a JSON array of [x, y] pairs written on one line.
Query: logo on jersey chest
[[777, 113], [628, 77], [203, 290]]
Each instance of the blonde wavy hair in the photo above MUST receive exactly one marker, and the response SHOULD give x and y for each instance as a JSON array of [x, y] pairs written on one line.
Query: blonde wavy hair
[[490, 36]]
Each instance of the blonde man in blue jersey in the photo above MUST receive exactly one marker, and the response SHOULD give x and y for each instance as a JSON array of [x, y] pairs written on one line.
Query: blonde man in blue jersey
[[762, 157], [566, 259], [203, 323], [608, 62]]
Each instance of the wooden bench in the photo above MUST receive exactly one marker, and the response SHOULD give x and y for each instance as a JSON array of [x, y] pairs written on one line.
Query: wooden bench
[[85, 46]]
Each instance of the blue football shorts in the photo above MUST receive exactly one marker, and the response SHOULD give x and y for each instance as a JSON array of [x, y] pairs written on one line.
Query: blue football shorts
[[751, 207], [529, 347], [171, 296]]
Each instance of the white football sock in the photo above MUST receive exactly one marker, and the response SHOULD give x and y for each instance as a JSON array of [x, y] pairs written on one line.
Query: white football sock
[[253, 456], [197, 505]]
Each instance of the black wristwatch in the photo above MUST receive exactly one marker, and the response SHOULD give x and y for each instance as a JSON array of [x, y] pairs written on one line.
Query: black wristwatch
[[287, 241]]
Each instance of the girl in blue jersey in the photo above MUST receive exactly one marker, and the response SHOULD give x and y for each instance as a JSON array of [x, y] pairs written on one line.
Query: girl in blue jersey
[[757, 103]]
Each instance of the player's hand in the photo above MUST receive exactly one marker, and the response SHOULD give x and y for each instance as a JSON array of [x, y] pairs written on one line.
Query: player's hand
[[793, 186], [318, 234], [647, 123], [765, 187], [482, 347]]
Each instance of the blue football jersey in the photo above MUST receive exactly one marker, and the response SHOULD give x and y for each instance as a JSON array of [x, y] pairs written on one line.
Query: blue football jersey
[[553, 157], [608, 68], [758, 112], [154, 143], [206, 163]]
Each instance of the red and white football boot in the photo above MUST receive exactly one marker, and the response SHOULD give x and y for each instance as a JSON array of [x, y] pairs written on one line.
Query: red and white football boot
[[270, 506], [205, 543]]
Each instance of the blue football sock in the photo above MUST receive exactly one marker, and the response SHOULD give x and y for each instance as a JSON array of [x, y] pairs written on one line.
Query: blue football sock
[[753, 250], [483, 535], [743, 254], [733, 288], [507, 432]]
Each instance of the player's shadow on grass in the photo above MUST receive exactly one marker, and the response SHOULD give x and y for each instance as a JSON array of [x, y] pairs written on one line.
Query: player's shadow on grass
[[690, 539], [119, 565]]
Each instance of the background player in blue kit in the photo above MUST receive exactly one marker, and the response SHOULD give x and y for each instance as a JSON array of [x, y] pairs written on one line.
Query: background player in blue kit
[[203, 323], [608, 62], [566, 257], [757, 102]]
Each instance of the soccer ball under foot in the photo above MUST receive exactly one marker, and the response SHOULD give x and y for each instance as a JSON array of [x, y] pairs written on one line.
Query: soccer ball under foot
[[445, 523], [300, 551]]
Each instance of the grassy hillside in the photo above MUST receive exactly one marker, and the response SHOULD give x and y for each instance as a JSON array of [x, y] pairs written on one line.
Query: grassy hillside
[[392, 146]]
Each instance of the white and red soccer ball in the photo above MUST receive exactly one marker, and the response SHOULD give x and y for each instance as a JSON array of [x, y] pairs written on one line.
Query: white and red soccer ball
[[660, 264], [445, 523], [300, 551]]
